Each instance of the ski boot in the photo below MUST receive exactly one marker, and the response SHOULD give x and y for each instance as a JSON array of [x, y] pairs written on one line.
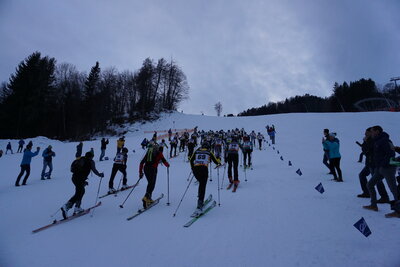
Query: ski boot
[[147, 201], [124, 187], [64, 210], [230, 183], [111, 190], [235, 185], [78, 210]]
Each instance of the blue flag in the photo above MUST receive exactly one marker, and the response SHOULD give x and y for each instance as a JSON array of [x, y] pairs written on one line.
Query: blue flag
[[362, 226], [320, 188], [281, 158], [299, 172], [290, 163]]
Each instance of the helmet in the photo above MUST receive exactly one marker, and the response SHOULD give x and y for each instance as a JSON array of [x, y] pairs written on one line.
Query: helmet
[[89, 155], [205, 145]]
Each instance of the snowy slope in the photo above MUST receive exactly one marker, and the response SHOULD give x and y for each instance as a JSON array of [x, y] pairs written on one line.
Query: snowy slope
[[277, 218]]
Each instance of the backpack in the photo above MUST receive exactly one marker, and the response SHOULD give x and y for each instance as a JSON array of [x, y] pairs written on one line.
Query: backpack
[[77, 165]]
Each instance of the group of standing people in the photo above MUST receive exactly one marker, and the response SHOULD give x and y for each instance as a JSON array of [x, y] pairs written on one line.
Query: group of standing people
[[380, 152]]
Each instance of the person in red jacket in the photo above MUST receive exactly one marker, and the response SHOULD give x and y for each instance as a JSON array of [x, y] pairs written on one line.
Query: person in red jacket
[[149, 164]]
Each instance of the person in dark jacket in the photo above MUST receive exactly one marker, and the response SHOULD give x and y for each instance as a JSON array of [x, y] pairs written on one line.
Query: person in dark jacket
[[383, 152], [9, 148], [78, 153], [84, 166], [119, 165], [26, 164], [47, 155], [103, 148], [199, 163], [149, 164], [232, 158], [21, 144], [367, 149], [325, 159]]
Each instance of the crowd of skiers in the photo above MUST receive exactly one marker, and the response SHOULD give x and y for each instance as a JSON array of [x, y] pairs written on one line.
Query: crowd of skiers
[[223, 149], [380, 163]]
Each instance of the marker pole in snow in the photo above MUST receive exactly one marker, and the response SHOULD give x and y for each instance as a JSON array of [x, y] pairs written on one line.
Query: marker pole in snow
[[134, 186], [97, 197], [180, 202], [168, 187]]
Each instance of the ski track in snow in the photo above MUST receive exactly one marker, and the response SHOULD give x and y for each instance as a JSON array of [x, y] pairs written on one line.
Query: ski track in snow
[[276, 218]]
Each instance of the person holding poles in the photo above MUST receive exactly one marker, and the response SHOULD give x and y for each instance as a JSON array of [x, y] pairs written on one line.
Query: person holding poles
[[119, 165], [80, 169], [199, 164], [149, 165]]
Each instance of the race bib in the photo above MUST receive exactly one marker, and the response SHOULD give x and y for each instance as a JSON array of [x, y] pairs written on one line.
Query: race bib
[[202, 159]]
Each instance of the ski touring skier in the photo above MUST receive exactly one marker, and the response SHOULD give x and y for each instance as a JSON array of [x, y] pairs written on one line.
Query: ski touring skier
[[174, 145], [8, 147], [199, 163], [26, 163], [260, 138], [149, 165], [78, 153], [232, 157], [247, 149], [103, 148], [21, 144], [119, 165], [80, 169], [47, 155], [120, 143]]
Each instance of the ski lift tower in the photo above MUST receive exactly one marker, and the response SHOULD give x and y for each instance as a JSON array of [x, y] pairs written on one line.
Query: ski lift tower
[[395, 79]]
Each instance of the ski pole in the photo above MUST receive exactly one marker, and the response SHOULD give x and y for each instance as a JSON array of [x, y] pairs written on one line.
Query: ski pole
[[223, 176], [134, 186], [219, 197], [168, 187], [189, 176], [119, 184], [210, 173], [245, 175], [180, 202], [54, 214], [97, 197]]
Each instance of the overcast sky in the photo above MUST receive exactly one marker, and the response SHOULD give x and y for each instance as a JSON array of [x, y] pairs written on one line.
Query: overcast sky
[[242, 53]]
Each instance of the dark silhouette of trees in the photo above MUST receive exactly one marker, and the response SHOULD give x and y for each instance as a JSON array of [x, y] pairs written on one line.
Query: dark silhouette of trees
[[58, 101]]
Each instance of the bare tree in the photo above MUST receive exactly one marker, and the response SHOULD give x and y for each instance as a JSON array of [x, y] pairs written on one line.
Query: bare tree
[[218, 108]]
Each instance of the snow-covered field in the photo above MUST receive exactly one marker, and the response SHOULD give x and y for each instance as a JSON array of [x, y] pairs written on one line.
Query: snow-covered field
[[276, 218]]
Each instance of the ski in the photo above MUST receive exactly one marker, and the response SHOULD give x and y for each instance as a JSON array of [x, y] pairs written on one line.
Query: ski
[[141, 210], [234, 188], [57, 222], [116, 192], [210, 207], [205, 203]]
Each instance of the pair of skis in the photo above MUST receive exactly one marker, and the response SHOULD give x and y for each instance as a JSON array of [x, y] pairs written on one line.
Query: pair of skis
[[69, 218], [117, 191], [208, 205]]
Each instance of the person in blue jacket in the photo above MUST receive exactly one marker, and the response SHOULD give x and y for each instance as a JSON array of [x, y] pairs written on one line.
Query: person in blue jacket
[[26, 163], [332, 146], [47, 155]]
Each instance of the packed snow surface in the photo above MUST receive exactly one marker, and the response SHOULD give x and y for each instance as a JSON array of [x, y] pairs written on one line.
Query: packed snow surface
[[276, 218]]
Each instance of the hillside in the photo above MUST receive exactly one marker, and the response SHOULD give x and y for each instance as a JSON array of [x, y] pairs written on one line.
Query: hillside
[[276, 218]]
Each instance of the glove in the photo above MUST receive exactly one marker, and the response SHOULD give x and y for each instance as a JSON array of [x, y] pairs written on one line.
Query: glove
[[102, 174], [86, 183], [141, 175], [167, 165]]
